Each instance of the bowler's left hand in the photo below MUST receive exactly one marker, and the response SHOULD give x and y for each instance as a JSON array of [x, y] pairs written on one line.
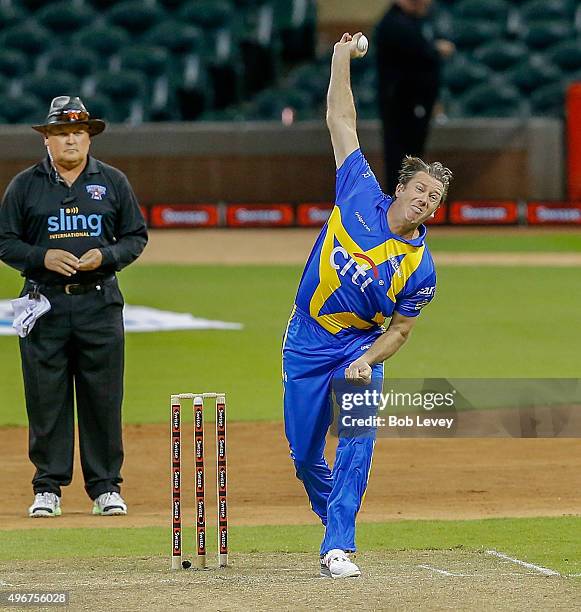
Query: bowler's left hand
[[358, 373], [91, 260]]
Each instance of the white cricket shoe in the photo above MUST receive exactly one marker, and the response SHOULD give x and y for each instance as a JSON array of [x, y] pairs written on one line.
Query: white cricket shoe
[[109, 504], [45, 505], [336, 564]]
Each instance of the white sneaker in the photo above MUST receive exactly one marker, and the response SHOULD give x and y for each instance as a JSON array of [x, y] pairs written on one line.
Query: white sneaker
[[109, 504], [336, 564], [45, 505]]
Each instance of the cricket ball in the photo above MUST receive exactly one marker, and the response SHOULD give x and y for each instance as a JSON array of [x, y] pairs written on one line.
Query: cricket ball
[[362, 44]]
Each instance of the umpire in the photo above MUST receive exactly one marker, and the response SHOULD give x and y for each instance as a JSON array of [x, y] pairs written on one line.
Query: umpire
[[68, 224]]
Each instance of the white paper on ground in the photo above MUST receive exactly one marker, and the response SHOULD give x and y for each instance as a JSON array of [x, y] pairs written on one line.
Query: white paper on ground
[[139, 319]]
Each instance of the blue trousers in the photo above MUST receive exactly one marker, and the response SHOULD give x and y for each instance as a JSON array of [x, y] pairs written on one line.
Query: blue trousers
[[312, 359]]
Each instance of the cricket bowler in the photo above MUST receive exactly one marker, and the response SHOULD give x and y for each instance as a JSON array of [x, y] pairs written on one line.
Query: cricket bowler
[[370, 264]]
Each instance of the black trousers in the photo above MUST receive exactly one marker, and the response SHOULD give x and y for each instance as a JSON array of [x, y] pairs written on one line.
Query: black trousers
[[76, 350]]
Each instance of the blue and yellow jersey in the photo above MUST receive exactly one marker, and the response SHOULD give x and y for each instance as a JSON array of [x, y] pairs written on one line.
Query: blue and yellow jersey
[[359, 272]]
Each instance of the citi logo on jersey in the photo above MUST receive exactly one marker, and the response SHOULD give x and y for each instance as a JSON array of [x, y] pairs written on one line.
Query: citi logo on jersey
[[359, 271], [70, 224]]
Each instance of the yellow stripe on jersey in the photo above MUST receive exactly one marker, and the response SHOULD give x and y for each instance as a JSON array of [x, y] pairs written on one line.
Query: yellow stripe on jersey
[[407, 267], [337, 321], [329, 280]]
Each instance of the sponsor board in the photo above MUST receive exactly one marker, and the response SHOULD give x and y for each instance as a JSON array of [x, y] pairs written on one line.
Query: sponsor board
[[554, 213], [313, 215], [573, 136], [259, 215], [480, 212], [183, 215]]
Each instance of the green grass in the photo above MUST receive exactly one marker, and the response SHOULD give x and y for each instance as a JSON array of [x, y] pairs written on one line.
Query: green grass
[[496, 240], [550, 542], [484, 322]]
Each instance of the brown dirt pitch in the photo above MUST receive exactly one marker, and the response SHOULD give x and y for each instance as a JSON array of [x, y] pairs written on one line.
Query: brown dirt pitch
[[410, 479]]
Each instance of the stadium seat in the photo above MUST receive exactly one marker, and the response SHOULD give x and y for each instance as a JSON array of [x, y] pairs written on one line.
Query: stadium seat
[[127, 91], [534, 72], [171, 5], [177, 37], [549, 100], [192, 86], [469, 34], [366, 97], [32, 5], [150, 60], [216, 20], [312, 79], [76, 60], [135, 16], [60, 83], [4, 84], [494, 98], [103, 5], [10, 14], [547, 10], [441, 21], [63, 17], [208, 14], [103, 40], [543, 34], [461, 73], [269, 105], [22, 109], [120, 86], [500, 54], [296, 21], [567, 55], [27, 36], [13, 63], [490, 10], [260, 47], [227, 83], [99, 106]]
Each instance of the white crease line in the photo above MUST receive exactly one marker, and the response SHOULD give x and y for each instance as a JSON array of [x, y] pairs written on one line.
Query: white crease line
[[573, 575], [2, 583], [542, 570], [441, 571]]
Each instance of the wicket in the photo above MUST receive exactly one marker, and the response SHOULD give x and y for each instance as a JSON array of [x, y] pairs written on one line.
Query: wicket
[[199, 478]]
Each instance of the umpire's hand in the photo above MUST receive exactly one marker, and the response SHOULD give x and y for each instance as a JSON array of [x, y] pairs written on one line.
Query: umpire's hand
[[358, 373], [91, 260], [60, 261]]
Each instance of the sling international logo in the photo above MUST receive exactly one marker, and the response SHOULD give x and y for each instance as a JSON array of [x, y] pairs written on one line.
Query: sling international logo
[[70, 224]]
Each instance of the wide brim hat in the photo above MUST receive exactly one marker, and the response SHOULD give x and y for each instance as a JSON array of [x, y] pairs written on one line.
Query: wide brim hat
[[68, 110]]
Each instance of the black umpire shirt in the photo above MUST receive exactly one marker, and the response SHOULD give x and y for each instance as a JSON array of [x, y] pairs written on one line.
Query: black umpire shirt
[[40, 212], [408, 62]]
